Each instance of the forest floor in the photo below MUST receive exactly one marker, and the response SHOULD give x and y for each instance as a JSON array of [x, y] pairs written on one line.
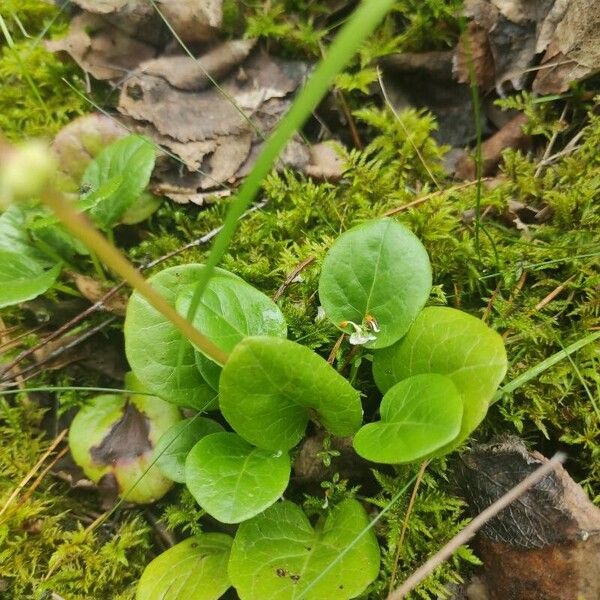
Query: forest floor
[[494, 167]]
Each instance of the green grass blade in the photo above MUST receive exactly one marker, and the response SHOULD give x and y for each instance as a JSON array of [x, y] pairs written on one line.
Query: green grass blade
[[538, 369], [362, 22]]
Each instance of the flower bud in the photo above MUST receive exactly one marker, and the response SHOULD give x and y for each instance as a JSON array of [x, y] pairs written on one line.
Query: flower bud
[[24, 170]]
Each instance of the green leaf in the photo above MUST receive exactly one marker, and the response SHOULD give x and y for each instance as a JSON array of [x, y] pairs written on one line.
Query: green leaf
[[378, 277], [23, 278], [232, 480], [14, 236], [278, 554], [132, 159], [195, 569], [152, 344], [114, 436], [231, 310], [418, 416], [449, 342], [210, 371], [175, 444], [270, 387]]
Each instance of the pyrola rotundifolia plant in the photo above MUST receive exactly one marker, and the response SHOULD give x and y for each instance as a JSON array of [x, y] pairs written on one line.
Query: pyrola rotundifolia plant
[[436, 367]]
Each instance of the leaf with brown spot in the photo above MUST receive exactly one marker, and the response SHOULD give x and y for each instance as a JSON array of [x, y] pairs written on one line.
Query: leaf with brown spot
[[113, 437]]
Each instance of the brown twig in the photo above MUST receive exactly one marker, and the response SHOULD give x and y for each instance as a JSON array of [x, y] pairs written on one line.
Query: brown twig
[[27, 372], [350, 119], [12, 343], [166, 536], [290, 278], [409, 509], [427, 197], [471, 529], [555, 292], [488, 308], [335, 349]]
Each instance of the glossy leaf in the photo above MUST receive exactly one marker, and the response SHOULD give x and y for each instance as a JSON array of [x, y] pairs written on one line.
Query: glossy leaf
[[270, 387], [278, 554], [114, 436], [376, 276], [418, 416], [231, 310], [152, 344], [23, 278], [233, 480], [175, 444], [449, 342], [195, 569], [131, 159]]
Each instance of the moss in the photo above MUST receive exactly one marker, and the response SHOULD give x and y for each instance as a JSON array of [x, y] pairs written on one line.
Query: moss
[[35, 97], [508, 278], [44, 545]]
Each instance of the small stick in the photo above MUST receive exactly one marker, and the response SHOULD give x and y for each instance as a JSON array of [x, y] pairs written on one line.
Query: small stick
[[335, 348], [550, 144], [166, 536], [290, 278], [409, 509], [555, 292], [62, 349], [11, 343], [488, 308], [424, 199], [479, 521], [33, 471]]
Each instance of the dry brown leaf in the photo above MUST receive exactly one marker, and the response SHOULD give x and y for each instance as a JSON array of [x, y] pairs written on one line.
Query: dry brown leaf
[[325, 162], [93, 290], [510, 136], [194, 20], [508, 31], [573, 50], [190, 74], [100, 48], [216, 143], [474, 49]]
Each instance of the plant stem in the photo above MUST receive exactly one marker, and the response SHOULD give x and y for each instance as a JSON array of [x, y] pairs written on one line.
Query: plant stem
[[80, 227]]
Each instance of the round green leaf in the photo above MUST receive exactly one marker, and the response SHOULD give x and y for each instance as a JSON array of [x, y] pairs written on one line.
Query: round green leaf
[[231, 309], [23, 278], [278, 554], [114, 436], [152, 344], [376, 276], [449, 342], [418, 415], [233, 480], [195, 569], [175, 444], [270, 387]]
